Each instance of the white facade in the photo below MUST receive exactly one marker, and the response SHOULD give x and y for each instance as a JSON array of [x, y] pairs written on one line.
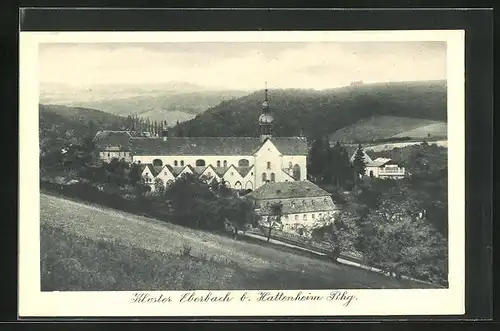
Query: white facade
[[267, 164], [107, 156]]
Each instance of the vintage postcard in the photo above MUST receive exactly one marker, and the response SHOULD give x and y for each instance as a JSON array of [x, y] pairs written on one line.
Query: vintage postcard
[[241, 173]]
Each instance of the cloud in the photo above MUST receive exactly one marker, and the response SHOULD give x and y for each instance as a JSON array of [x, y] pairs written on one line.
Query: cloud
[[242, 65]]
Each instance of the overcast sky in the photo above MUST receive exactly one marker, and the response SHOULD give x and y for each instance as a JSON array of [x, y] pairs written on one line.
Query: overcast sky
[[242, 65]]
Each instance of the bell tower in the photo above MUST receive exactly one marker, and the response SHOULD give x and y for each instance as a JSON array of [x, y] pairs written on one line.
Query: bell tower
[[266, 119]]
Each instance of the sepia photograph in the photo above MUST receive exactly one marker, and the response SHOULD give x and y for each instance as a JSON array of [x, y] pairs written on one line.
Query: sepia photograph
[[279, 169]]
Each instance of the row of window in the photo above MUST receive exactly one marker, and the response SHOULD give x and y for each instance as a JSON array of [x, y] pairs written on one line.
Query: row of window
[[304, 216], [272, 179], [202, 163], [293, 203], [120, 154]]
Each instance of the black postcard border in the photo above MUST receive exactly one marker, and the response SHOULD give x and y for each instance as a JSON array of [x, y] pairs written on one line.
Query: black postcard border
[[478, 25]]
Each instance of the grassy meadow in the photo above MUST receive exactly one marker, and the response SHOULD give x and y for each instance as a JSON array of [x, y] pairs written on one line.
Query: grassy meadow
[[87, 247], [382, 127]]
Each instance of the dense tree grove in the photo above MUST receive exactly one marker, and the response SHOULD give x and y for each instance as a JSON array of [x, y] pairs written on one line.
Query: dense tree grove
[[342, 234], [400, 226], [329, 165]]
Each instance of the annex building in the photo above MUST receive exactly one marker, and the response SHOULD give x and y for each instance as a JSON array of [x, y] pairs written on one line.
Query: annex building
[[302, 202]]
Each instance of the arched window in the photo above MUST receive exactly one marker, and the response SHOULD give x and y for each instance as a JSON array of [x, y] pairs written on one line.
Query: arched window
[[313, 216], [296, 217], [264, 177], [305, 217], [218, 164], [290, 165], [200, 163], [182, 163], [296, 172], [170, 182], [228, 185], [268, 165], [243, 163], [176, 163], [237, 185], [249, 185], [273, 177], [157, 163], [225, 164]]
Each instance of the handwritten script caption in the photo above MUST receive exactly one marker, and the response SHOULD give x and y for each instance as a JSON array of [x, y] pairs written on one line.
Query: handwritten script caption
[[342, 297]]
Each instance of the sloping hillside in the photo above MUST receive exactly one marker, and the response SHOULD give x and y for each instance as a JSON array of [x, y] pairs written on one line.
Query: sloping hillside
[[81, 115], [437, 129], [382, 127], [86, 247], [60, 125], [321, 112]]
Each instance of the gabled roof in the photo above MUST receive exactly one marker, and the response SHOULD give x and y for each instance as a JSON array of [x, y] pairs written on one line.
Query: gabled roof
[[243, 171], [291, 145], [285, 190], [211, 168], [165, 168], [366, 157], [232, 167], [154, 170], [308, 205], [220, 171], [108, 139], [378, 162], [214, 145]]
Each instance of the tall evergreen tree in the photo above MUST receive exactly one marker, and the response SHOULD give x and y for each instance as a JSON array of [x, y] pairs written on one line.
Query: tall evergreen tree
[[333, 173], [318, 159], [359, 163], [344, 165]]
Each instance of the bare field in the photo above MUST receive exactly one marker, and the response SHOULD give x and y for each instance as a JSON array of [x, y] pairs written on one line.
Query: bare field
[[86, 247]]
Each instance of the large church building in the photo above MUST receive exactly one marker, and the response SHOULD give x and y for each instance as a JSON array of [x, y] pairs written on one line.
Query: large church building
[[239, 162]]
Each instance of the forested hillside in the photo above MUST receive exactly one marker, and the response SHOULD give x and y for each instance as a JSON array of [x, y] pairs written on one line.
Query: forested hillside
[[322, 112]]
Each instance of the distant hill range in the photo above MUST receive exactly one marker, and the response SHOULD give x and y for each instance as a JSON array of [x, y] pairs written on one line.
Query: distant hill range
[[400, 107], [174, 101]]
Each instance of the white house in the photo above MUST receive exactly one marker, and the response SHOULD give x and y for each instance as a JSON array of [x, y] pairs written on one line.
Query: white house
[[113, 144], [381, 167], [304, 203]]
